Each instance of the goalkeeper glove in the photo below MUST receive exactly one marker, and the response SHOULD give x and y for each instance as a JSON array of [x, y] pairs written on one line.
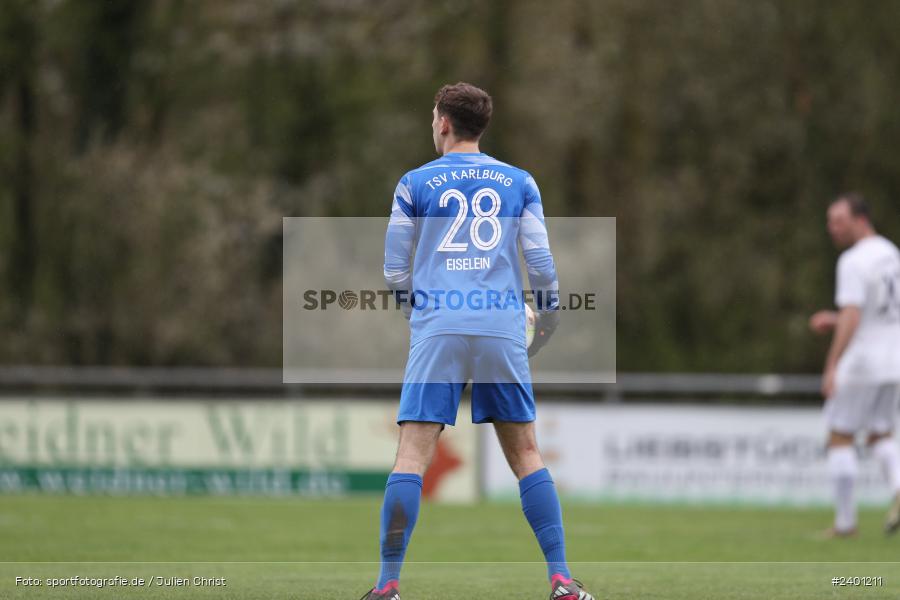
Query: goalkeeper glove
[[545, 323]]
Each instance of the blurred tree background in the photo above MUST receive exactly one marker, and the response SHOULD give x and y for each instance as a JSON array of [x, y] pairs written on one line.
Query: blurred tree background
[[149, 148]]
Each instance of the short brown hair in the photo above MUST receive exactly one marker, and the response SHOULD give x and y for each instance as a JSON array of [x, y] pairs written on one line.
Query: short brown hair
[[468, 108], [857, 204]]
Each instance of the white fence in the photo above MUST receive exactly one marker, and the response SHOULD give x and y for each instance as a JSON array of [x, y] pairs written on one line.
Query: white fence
[[74, 379], [755, 439]]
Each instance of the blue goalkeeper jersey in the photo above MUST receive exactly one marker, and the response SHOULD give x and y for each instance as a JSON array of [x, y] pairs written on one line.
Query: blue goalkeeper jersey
[[452, 247]]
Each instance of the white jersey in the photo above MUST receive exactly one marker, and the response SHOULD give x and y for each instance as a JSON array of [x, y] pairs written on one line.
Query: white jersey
[[868, 276]]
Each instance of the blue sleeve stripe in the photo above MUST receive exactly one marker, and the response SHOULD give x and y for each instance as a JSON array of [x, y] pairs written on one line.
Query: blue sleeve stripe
[[398, 242], [398, 250], [536, 248], [403, 199], [532, 193], [399, 217], [532, 231]]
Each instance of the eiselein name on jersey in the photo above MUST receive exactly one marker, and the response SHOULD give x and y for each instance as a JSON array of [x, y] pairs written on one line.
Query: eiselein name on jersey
[[475, 263]]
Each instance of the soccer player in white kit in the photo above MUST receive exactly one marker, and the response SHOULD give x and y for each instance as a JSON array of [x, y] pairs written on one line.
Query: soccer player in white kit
[[861, 380]]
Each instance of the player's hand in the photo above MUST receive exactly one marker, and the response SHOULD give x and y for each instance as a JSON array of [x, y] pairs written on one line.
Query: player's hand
[[545, 323], [823, 321], [827, 383]]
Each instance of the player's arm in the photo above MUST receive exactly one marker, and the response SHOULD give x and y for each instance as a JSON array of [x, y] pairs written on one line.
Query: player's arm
[[850, 295], [398, 246], [823, 321], [541, 268], [845, 326]]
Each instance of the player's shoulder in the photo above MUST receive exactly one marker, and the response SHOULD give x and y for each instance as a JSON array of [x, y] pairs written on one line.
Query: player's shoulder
[[850, 257], [411, 181], [425, 168], [490, 161], [887, 245], [418, 173], [521, 177], [873, 245], [866, 251], [487, 160]]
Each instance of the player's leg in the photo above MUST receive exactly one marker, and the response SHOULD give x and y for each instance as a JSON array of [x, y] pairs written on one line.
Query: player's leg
[[885, 449], [843, 468], [845, 413], [540, 503], [537, 492], [502, 394], [428, 401], [402, 496], [416, 447], [520, 448]]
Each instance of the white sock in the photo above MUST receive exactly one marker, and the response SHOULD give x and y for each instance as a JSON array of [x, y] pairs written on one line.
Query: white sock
[[843, 467], [887, 452]]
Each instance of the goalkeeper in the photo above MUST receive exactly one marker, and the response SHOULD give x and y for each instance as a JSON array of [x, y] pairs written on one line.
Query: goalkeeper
[[464, 216]]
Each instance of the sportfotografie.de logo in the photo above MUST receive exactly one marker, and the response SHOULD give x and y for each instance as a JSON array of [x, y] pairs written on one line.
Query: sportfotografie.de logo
[[368, 299]]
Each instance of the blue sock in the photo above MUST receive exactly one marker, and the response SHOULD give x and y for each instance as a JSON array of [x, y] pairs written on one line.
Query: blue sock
[[541, 507], [398, 517]]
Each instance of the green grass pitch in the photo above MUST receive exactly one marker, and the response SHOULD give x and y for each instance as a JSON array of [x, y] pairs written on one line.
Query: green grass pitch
[[325, 550]]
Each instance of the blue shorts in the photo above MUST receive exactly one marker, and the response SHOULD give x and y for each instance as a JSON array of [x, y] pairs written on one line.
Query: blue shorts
[[439, 367]]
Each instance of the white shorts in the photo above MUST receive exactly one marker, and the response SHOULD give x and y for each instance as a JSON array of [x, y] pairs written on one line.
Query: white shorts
[[863, 407]]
